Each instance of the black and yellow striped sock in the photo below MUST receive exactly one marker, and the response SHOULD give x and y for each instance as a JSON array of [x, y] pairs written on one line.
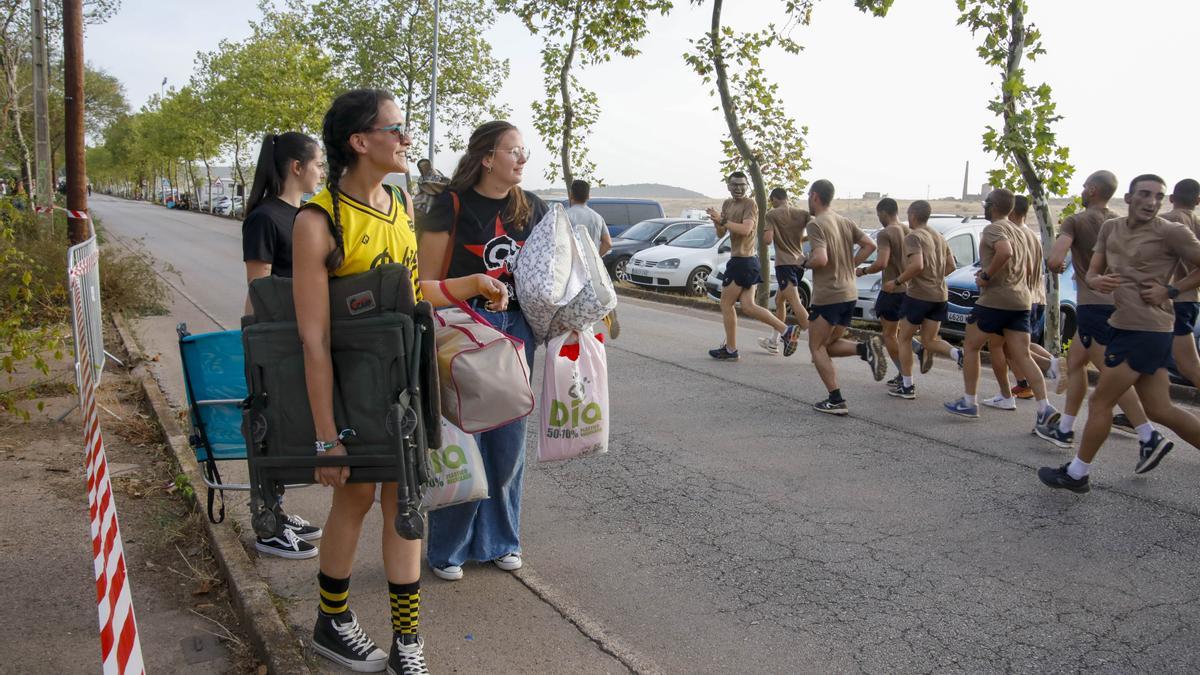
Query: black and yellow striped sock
[[406, 607], [335, 594]]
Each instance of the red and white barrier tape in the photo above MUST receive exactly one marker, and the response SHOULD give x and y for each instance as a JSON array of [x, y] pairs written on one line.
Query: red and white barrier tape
[[82, 215], [120, 648]]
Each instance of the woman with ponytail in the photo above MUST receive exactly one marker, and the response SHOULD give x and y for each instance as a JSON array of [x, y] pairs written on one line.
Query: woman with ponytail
[[289, 166], [356, 223], [472, 228]]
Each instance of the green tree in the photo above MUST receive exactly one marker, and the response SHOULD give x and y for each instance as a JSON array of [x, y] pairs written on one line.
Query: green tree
[[580, 33], [762, 138], [1025, 143], [388, 44]]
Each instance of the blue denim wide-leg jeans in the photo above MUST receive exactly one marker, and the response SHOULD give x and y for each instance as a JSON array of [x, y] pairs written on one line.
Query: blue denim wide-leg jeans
[[487, 529]]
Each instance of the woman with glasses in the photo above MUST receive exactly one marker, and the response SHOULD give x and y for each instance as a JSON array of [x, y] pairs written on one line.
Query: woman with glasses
[[356, 223], [474, 227], [289, 166]]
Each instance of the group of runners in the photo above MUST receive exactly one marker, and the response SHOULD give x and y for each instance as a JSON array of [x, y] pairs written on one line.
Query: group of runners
[[1136, 307]]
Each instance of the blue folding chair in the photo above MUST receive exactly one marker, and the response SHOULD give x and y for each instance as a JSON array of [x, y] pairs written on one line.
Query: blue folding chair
[[214, 375]]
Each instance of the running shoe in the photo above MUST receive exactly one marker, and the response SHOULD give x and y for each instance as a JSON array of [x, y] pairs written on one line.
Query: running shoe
[[961, 355], [1051, 432], [1022, 392], [790, 338], [722, 353], [1058, 478], [407, 656], [769, 346], [340, 639], [925, 355], [1049, 417], [830, 408], [895, 382], [1122, 424], [909, 392], [876, 357], [1061, 381], [961, 408], [1151, 452], [1000, 403]]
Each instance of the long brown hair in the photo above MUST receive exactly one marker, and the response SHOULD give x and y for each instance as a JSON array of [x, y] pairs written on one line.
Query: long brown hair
[[484, 141], [351, 113]]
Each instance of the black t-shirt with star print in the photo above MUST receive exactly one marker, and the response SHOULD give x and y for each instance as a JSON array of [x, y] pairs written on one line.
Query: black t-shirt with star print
[[482, 241]]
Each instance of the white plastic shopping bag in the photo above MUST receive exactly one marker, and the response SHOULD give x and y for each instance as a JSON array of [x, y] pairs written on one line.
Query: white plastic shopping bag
[[457, 474], [574, 408]]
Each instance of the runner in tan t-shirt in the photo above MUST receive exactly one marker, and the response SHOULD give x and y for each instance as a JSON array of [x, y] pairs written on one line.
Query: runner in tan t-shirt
[[785, 229], [889, 259], [743, 274], [832, 239], [927, 262], [1135, 260], [1036, 280], [1184, 199], [1077, 238], [1002, 309]]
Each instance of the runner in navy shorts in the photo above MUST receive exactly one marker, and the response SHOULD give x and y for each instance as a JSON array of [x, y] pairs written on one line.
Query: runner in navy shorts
[[837, 314], [1092, 323], [1185, 317], [744, 272], [917, 311], [887, 305], [996, 321], [1145, 351], [788, 275]]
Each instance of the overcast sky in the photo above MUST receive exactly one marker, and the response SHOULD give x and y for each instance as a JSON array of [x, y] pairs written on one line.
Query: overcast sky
[[893, 105]]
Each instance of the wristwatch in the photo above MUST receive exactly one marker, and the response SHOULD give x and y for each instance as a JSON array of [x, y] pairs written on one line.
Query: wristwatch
[[324, 446], [1172, 292], [985, 276]]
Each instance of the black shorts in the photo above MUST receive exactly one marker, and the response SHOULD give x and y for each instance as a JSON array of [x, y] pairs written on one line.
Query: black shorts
[[916, 311], [788, 275], [1145, 351], [837, 314], [887, 305], [1092, 323], [1037, 322], [1185, 317], [744, 272], [996, 321]]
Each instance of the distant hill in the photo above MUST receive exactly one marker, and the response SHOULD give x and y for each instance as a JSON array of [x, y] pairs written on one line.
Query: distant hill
[[634, 191]]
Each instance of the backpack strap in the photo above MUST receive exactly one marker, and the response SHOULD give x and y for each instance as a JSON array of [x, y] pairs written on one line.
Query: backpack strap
[[456, 207]]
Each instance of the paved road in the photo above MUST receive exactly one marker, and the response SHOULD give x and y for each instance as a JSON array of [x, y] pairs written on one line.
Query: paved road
[[731, 529]]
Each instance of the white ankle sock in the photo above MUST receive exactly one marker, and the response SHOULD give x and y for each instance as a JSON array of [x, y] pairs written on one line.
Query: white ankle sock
[[955, 353], [1078, 468], [970, 398], [1144, 432], [775, 335], [1066, 423], [907, 380], [1054, 365], [1043, 405]]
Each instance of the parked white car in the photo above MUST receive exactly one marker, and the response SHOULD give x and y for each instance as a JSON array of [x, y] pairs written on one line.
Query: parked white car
[[685, 263]]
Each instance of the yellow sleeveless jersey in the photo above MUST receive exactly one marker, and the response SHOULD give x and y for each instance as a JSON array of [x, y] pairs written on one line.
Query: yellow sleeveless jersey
[[371, 237]]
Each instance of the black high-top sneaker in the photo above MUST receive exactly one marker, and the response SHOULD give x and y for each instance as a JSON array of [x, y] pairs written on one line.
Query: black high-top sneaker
[[340, 639]]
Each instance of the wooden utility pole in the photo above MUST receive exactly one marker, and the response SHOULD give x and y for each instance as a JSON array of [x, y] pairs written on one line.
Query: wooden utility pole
[[43, 190], [77, 228]]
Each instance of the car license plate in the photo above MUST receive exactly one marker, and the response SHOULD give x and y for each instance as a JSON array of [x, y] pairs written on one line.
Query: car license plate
[[955, 317]]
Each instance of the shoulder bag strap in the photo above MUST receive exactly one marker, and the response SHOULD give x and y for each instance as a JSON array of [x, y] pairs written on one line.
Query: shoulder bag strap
[[457, 206]]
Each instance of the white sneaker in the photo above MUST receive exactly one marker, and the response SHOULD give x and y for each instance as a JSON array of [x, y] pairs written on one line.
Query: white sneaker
[[1000, 403], [769, 346], [510, 562], [449, 572]]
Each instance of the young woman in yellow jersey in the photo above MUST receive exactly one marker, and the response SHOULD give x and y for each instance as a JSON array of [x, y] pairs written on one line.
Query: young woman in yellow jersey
[[356, 223]]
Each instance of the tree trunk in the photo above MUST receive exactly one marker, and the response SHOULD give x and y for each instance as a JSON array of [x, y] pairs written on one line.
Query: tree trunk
[[208, 174], [739, 141], [1037, 191], [237, 160], [564, 86]]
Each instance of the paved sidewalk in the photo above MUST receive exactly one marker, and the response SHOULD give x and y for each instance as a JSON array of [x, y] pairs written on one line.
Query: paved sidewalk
[[487, 621]]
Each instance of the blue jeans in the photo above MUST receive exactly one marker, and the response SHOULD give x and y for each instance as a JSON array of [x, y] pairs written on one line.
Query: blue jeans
[[487, 529]]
